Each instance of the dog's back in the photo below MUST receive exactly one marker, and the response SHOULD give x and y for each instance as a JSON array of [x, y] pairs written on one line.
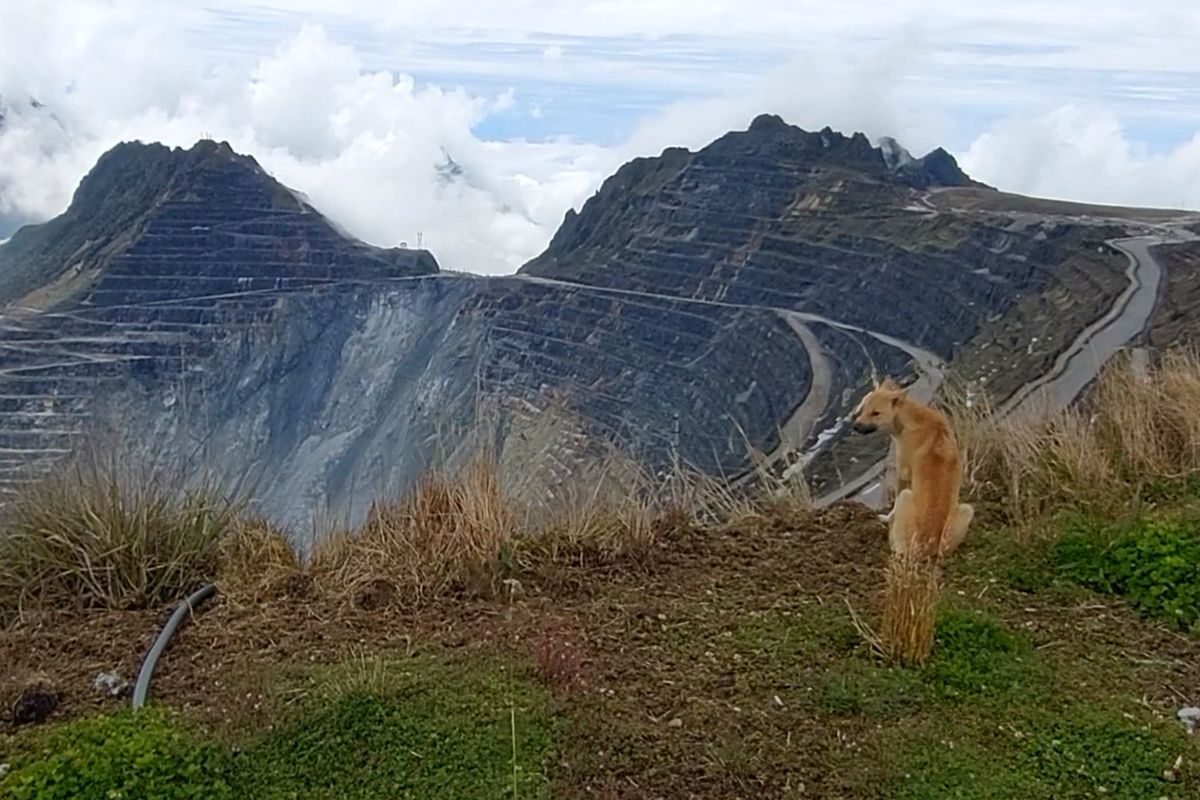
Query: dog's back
[[935, 476]]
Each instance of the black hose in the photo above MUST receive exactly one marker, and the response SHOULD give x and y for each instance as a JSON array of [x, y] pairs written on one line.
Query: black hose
[[188, 605]]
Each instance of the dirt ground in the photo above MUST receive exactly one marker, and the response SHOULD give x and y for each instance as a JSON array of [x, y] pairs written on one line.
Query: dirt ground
[[675, 663]]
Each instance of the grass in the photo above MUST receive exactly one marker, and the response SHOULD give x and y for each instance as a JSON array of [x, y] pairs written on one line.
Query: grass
[[1153, 564], [973, 659], [446, 534], [257, 564], [1132, 430], [154, 754], [413, 728], [682, 639], [104, 535], [910, 601], [1082, 753], [375, 728]]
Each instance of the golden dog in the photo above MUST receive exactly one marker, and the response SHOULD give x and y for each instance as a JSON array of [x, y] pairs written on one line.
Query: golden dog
[[927, 520]]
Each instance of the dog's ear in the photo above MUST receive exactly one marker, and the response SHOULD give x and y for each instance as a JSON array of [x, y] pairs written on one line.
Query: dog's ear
[[889, 385], [899, 396]]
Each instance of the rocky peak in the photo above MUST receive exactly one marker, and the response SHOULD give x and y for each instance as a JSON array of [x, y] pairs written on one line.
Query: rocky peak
[[792, 162], [942, 170], [172, 195]]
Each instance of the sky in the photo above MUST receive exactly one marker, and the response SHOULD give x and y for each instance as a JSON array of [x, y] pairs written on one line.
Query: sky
[[358, 104]]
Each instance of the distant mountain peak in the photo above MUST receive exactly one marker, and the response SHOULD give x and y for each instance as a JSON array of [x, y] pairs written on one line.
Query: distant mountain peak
[[769, 135], [137, 187], [449, 170]]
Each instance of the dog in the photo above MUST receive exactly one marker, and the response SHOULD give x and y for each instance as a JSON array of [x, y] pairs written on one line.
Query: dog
[[927, 520]]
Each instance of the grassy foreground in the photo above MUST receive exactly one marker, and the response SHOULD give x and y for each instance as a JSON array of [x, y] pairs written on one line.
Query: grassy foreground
[[698, 649]]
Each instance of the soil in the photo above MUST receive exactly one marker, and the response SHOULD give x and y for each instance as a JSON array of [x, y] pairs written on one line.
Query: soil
[[668, 659]]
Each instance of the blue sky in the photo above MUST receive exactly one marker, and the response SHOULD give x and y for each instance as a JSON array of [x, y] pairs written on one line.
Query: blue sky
[[597, 87], [355, 102]]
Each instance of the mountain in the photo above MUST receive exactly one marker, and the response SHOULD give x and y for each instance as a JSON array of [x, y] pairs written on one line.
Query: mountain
[[702, 307]]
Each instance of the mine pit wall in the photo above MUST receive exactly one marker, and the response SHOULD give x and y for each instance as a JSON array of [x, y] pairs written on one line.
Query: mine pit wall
[[349, 393]]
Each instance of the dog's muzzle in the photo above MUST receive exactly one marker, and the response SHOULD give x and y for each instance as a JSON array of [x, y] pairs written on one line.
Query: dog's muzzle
[[863, 427]]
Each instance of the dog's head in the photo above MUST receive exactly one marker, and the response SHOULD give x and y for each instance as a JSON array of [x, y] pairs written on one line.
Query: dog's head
[[877, 411]]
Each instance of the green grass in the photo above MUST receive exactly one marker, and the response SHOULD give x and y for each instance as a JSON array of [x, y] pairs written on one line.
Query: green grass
[[1027, 753], [975, 659], [403, 729], [412, 730], [151, 755], [1153, 564]]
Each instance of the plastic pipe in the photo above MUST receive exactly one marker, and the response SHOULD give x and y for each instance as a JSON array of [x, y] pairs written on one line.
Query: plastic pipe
[[186, 607]]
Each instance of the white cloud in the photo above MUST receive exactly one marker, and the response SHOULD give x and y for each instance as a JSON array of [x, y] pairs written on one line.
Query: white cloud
[[1081, 154], [333, 109], [363, 146], [810, 92]]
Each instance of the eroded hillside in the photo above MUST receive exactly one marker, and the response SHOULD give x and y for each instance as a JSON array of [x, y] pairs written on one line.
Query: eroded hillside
[[701, 308]]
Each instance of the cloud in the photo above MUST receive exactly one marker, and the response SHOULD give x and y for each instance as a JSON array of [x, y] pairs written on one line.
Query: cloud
[[363, 146], [812, 92], [1084, 154], [359, 109]]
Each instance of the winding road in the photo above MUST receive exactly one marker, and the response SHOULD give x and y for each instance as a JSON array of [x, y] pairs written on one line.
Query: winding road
[[1072, 371], [1079, 364]]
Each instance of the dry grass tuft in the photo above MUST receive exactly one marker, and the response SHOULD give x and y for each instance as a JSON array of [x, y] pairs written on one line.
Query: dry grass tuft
[[910, 601], [100, 535], [1132, 428], [601, 523], [445, 535], [257, 564]]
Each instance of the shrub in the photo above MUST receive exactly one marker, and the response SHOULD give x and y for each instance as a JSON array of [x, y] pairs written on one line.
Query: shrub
[[445, 535], [1155, 566], [145, 755], [99, 535]]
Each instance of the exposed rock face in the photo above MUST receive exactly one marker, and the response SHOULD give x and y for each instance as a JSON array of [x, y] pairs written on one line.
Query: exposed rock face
[[781, 217], [701, 307], [162, 256], [1176, 321]]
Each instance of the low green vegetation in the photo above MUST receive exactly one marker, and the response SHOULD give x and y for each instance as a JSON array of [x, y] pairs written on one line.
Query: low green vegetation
[[1153, 564], [1029, 753], [408, 730], [412, 729], [975, 660], [152, 754]]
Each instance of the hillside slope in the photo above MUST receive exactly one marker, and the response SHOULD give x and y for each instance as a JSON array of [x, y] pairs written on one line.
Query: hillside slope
[[701, 308]]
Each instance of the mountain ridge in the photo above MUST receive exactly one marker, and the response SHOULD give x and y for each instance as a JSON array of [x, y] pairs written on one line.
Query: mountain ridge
[[723, 308]]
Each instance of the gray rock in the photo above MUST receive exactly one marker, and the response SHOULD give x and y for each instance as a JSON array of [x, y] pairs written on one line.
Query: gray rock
[[110, 684]]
